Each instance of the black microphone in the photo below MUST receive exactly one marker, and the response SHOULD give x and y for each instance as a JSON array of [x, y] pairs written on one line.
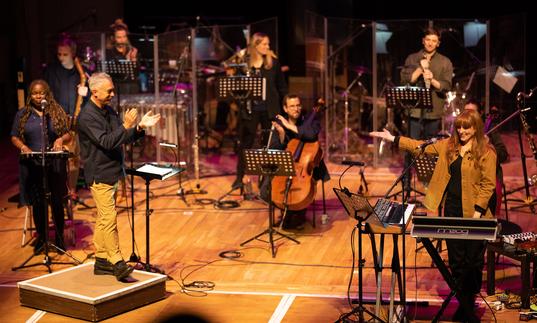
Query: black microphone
[[270, 137], [353, 163], [427, 143]]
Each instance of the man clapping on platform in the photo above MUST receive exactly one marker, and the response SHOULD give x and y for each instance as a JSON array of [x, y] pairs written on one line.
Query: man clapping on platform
[[101, 135]]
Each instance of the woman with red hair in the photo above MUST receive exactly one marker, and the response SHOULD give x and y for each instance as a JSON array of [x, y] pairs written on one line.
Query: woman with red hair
[[463, 181]]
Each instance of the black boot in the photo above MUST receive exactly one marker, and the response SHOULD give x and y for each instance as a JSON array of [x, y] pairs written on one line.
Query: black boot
[[103, 267], [472, 317], [466, 310], [122, 270]]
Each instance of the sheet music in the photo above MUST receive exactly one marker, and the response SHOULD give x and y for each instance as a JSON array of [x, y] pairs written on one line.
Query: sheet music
[[408, 212], [152, 169]]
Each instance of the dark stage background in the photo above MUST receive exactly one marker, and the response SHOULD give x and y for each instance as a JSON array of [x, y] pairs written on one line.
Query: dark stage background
[[25, 24]]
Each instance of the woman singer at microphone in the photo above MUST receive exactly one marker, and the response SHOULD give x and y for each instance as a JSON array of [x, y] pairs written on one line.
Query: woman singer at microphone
[[463, 181], [26, 135]]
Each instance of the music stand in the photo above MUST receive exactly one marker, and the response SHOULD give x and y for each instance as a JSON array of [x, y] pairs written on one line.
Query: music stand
[[270, 163], [119, 69], [354, 204], [150, 172], [407, 98], [424, 167], [241, 88]]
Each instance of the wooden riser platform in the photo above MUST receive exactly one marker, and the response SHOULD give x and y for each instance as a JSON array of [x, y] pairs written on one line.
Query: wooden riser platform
[[77, 292]]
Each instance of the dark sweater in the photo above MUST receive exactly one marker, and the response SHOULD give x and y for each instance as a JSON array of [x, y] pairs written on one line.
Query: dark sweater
[[101, 134]]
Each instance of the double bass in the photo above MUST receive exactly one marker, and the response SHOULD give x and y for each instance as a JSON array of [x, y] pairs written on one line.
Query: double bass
[[297, 192], [73, 145]]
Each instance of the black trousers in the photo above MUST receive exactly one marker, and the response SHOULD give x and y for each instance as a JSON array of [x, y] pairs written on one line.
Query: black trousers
[[466, 260], [57, 188], [248, 134]]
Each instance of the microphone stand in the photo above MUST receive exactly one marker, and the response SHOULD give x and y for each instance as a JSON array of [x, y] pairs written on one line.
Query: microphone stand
[[181, 192], [178, 164], [182, 59], [346, 125], [288, 183], [528, 201]]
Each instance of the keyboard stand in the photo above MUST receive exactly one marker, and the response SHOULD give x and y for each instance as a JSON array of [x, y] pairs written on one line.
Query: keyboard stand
[[446, 274], [375, 226]]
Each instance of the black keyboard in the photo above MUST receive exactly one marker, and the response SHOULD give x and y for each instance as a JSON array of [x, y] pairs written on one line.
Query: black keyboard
[[391, 212]]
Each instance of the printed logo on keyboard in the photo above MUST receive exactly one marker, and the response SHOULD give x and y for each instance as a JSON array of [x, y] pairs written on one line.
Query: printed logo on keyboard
[[452, 231]]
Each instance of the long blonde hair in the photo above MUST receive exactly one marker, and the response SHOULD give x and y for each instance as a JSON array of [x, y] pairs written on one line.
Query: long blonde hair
[[255, 40], [467, 119]]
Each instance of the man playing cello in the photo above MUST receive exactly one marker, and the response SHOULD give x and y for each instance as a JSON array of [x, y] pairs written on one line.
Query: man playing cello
[[298, 133]]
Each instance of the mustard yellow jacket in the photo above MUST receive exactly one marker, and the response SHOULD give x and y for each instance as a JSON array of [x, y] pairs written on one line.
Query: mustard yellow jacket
[[478, 183]]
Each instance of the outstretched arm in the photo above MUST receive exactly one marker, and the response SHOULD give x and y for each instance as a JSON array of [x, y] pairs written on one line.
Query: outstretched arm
[[384, 134]]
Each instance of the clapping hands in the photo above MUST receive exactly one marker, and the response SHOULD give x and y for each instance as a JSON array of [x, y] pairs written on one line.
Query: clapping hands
[[130, 118], [149, 120]]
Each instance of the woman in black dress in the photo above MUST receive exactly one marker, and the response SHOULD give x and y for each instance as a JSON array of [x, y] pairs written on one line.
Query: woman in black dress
[[261, 61]]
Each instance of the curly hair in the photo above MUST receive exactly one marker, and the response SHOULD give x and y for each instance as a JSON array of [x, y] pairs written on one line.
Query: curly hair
[[467, 119], [53, 110]]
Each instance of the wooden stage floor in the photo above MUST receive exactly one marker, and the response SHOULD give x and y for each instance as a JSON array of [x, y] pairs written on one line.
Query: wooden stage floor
[[303, 283]]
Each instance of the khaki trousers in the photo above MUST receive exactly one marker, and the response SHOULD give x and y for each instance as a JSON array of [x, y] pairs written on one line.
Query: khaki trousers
[[105, 236]]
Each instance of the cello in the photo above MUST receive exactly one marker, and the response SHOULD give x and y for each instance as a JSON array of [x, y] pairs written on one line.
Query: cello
[[297, 192]]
